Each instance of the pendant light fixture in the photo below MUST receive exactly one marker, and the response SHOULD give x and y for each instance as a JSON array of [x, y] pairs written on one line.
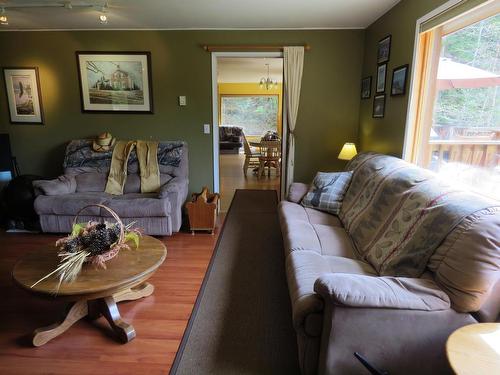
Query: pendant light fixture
[[268, 83]]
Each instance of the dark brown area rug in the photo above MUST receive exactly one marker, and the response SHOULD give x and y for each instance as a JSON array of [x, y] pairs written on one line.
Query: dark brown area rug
[[241, 322]]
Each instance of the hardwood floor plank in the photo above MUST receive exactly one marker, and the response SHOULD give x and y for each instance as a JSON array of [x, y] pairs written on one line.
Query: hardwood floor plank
[[89, 347]]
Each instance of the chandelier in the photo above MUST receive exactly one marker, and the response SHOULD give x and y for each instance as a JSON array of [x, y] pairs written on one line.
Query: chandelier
[[268, 83]]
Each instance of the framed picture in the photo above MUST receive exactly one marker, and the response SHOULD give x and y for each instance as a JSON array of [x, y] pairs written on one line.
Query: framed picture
[[398, 83], [366, 87], [24, 95], [381, 75], [384, 50], [378, 106], [114, 82]]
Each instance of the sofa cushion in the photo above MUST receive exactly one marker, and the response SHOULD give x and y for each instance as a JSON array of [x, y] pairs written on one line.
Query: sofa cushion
[[303, 268], [334, 241], [91, 182], [69, 204], [300, 235], [312, 230], [327, 191], [137, 205], [133, 182], [288, 211], [467, 263], [65, 184], [324, 218]]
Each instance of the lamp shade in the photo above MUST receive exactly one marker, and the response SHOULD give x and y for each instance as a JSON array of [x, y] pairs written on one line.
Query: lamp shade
[[348, 151]]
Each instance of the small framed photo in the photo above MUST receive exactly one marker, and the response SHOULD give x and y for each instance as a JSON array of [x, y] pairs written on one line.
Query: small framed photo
[[113, 82], [398, 83], [378, 106], [381, 75], [24, 95], [384, 50], [366, 87]]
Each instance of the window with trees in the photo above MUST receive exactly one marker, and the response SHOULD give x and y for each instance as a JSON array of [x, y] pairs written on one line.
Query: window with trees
[[454, 126], [256, 114]]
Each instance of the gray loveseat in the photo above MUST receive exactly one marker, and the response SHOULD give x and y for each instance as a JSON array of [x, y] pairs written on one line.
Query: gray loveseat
[[84, 183], [340, 302]]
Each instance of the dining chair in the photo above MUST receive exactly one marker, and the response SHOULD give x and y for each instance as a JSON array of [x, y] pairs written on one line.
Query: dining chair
[[270, 157], [252, 156]]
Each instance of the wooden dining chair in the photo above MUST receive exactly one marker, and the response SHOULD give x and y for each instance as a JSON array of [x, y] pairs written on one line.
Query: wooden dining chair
[[270, 157], [252, 156]]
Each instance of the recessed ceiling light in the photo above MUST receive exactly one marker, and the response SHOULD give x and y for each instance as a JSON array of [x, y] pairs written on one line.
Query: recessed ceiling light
[[103, 19]]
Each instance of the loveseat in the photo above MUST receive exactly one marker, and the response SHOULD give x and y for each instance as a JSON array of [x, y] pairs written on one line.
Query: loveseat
[[84, 182], [343, 302], [230, 139]]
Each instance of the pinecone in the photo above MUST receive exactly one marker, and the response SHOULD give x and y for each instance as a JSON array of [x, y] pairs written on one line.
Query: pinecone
[[99, 241], [72, 245], [114, 233], [100, 226]]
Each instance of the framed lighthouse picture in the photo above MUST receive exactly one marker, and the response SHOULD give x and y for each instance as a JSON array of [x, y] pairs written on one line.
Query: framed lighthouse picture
[[113, 82]]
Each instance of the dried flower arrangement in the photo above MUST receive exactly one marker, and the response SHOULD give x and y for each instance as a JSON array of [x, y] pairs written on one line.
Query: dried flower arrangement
[[93, 243]]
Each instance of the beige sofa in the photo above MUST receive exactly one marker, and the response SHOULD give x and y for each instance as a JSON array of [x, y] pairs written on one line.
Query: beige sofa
[[342, 305]]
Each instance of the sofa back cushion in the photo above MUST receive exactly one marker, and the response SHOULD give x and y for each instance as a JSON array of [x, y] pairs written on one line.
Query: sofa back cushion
[[91, 168], [467, 264], [398, 214], [91, 182]]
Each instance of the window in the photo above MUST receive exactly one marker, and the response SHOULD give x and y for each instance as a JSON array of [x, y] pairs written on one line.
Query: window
[[454, 126], [256, 114]]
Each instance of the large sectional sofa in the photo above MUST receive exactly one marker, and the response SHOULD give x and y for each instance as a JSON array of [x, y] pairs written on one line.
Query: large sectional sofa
[[342, 304], [84, 182]]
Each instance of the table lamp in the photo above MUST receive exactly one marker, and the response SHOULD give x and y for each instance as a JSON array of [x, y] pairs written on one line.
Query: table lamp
[[348, 151]]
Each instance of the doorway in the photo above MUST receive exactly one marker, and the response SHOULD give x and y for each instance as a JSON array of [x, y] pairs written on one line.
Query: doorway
[[248, 125]]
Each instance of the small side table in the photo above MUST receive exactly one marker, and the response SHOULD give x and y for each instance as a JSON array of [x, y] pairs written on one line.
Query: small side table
[[475, 349]]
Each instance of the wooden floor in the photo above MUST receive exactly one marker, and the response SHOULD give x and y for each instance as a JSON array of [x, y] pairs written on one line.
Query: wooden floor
[[232, 178], [89, 348]]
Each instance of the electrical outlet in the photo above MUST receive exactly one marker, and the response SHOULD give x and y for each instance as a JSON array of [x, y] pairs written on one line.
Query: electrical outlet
[[206, 128], [182, 101]]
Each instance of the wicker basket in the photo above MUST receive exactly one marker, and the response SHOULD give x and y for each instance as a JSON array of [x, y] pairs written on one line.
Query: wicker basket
[[104, 257]]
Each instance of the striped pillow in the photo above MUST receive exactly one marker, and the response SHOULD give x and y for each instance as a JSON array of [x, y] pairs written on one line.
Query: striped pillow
[[327, 191]]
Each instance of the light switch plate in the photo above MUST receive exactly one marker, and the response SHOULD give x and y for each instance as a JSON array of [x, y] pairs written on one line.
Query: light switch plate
[[182, 101], [206, 128]]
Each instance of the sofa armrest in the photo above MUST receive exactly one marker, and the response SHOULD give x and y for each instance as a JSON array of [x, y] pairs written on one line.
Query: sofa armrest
[[65, 184], [297, 192], [381, 292], [175, 191], [175, 185]]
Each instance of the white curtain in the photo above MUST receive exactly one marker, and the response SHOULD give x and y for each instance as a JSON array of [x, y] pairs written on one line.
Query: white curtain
[[293, 63]]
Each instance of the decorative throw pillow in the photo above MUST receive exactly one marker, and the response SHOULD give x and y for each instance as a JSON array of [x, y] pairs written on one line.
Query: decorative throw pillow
[[327, 191]]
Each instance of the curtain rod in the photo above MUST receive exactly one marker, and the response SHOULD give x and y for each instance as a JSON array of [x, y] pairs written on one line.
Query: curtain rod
[[255, 47]]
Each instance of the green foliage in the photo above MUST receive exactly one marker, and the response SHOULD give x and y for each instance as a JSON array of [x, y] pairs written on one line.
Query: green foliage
[[477, 45], [77, 228], [132, 236], [255, 114]]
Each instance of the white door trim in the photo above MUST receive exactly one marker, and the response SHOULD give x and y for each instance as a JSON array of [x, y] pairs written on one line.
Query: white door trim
[[215, 111]]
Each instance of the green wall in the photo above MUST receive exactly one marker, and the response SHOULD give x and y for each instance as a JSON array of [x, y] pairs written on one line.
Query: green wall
[[386, 135], [328, 115]]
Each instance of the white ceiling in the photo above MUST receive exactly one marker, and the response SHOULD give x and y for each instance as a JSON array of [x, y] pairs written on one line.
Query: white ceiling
[[198, 14], [238, 70]]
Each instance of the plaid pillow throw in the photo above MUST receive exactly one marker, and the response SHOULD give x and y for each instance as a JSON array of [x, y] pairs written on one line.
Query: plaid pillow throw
[[327, 191]]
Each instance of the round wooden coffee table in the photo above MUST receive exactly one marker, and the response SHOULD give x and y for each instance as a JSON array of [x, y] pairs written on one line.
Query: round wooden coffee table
[[475, 349], [96, 291]]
